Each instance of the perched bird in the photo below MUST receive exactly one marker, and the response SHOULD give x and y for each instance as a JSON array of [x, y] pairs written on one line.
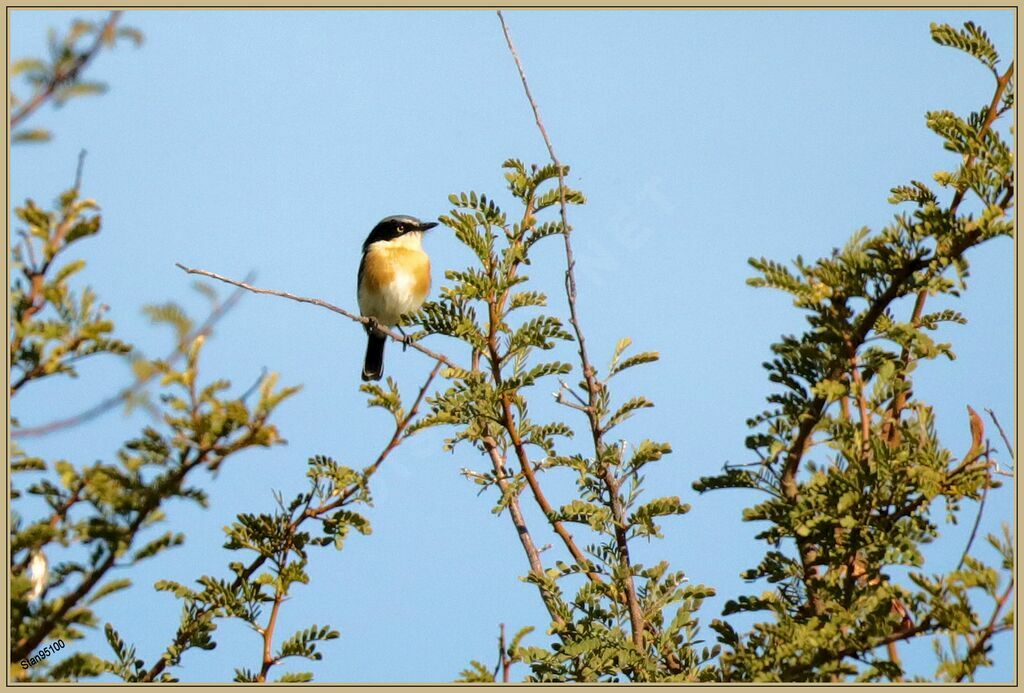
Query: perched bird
[[394, 279]]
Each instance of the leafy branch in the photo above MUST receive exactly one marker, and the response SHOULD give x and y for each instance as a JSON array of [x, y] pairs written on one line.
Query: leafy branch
[[120, 501], [60, 79], [281, 540], [864, 503]]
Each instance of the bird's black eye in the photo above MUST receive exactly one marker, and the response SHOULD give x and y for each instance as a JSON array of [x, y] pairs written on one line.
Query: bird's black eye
[[400, 228]]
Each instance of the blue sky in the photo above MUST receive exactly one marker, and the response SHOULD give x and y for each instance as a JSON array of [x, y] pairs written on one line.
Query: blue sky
[[273, 141]]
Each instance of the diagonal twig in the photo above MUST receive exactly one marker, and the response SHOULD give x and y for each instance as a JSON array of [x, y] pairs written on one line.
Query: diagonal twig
[[61, 77], [113, 401], [1002, 433], [977, 518], [329, 306]]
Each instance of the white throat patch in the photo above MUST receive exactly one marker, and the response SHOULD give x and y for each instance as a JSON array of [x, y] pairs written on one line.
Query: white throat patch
[[413, 240]]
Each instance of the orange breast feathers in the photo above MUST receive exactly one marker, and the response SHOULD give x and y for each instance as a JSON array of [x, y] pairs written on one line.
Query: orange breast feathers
[[395, 280]]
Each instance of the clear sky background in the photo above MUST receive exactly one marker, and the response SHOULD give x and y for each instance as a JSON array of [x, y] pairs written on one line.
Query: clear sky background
[[273, 141]]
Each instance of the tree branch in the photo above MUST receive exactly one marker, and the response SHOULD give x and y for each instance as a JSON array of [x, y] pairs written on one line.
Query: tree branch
[[25, 646], [1002, 433], [977, 518], [519, 522], [331, 307], [218, 312], [891, 430], [589, 373], [990, 629], [61, 77], [268, 638], [396, 439]]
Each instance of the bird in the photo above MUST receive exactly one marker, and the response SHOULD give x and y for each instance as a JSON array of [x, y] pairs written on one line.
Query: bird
[[393, 280]]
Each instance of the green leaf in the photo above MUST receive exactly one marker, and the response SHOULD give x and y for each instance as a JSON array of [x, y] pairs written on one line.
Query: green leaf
[[156, 546], [33, 135], [971, 39], [26, 65], [659, 507], [108, 589], [75, 89], [303, 643], [626, 411], [475, 673]]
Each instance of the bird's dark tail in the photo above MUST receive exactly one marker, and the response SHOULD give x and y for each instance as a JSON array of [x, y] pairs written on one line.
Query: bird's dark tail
[[373, 364]]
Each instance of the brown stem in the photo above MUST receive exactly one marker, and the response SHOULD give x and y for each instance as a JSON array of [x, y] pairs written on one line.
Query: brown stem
[[1001, 83], [894, 657], [506, 661], [71, 73], [891, 429], [538, 493], [589, 372], [519, 522], [862, 406], [636, 618], [495, 307], [268, 638]]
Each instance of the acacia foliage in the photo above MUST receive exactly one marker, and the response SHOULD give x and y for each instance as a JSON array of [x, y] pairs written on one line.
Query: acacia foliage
[[74, 523], [848, 459], [849, 462], [613, 619]]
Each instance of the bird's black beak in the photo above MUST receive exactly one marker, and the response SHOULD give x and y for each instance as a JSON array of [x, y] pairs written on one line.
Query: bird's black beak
[[427, 225]]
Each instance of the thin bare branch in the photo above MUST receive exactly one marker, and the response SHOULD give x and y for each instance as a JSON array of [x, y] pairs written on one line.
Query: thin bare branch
[[504, 661], [218, 312], [589, 372], [977, 519], [78, 170], [1002, 434], [329, 306], [519, 521]]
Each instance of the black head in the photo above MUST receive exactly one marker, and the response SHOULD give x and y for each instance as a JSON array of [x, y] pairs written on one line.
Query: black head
[[390, 228]]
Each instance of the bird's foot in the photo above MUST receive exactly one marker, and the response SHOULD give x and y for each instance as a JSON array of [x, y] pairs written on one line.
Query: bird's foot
[[373, 326]]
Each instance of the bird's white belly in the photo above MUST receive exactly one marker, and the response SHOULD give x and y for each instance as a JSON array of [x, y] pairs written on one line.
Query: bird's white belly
[[394, 300]]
